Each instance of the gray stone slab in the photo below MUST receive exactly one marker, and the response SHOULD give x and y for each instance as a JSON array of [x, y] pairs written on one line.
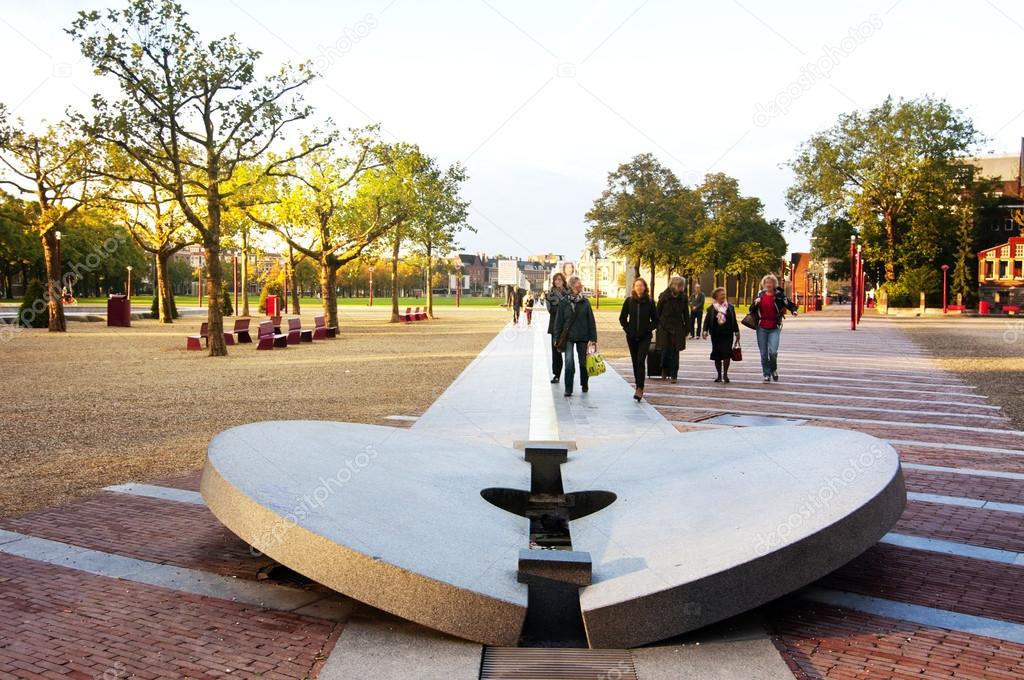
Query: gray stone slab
[[741, 420], [165, 493], [713, 523], [396, 650], [391, 517], [736, 660]]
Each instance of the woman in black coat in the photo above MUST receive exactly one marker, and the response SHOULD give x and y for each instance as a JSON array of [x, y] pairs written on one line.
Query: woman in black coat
[[638, 319], [559, 291], [720, 323], [673, 325]]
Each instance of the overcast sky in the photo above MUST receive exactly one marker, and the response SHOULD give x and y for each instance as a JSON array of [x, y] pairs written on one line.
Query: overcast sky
[[542, 99]]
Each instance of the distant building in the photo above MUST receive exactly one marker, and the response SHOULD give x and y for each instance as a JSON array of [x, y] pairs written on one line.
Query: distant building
[[474, 268], [997, 224], [1001, 273]]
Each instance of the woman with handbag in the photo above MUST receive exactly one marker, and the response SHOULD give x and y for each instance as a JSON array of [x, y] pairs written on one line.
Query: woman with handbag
[[721, 325], [576, 329], [638, 319], [767, 310], [554, 302], [673, 313]]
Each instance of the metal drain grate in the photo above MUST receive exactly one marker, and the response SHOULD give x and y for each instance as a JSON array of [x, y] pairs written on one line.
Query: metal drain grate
[[746, 420], [533, 663]]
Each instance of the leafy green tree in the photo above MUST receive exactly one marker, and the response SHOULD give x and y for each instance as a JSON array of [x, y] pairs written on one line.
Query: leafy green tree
[[19, 249], [54, 168], [439, 215], [190, 114], [635, 208], [831, 240], [881, 166]]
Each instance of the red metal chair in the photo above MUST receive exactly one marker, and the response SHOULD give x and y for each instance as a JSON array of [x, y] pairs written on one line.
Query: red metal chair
[[267, 338], [294, 330]]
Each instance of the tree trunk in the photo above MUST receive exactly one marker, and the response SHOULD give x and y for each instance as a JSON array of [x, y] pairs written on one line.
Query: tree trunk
[[394, 280], [890, 244], [654, 275], [329, 291], [292, 279], [245, 276], [215, 293], [430, 283], [163, 293], [58, 324]]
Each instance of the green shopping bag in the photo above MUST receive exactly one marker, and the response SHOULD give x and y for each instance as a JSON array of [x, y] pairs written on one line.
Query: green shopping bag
[[595, 364]]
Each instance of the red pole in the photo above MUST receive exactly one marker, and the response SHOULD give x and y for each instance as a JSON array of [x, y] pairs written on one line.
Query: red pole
[[861, 292], [199, 282], [285, 305], [234, 267], [853, 283]]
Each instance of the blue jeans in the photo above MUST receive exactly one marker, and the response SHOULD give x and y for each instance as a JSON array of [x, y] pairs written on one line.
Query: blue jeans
[[573, 350], [768, 343]]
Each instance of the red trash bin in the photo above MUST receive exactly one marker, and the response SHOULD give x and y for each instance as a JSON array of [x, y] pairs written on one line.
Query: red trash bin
[[273, 306], [119, 311], [983, 307]]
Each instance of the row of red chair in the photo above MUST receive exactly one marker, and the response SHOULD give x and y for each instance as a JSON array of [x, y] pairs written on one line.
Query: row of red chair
[[411, 316], [268, 334]]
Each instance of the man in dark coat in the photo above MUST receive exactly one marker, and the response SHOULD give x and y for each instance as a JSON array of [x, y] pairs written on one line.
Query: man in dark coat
[[673, 323], [696, 311]]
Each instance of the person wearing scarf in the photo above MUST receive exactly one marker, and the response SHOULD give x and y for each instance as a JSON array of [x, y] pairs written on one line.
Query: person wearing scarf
[[555, 296], [721, 326], [576, 317], [768, 309]]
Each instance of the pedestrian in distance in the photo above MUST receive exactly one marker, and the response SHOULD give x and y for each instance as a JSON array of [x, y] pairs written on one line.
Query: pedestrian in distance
[[529, 310], [673, 312], [721, 326], [638, 319], [576, 330], [558, 292], [517, 305], [696, 311], [768, 310]]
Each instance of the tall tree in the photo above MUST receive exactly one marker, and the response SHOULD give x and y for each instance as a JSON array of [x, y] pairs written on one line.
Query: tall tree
[[54, 168], [634, 208], [190, 113], [439, 215], [328, 206], [877, 166]]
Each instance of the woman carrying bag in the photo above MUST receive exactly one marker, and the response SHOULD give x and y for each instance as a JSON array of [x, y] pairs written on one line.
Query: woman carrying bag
[[638, 319], [767, 311], [576, 329], [673, 314], [721, 325]]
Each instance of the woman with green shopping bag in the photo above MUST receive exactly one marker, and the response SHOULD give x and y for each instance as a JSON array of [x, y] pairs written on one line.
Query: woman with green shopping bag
[[575, 330]]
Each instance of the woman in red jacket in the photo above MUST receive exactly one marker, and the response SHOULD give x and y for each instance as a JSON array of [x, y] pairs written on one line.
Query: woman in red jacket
[[768, 309]]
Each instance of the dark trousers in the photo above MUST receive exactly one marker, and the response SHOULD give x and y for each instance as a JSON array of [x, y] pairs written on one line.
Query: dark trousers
[[670, 362], [638, 353], [696, 319], [556, 358], [572, 351]]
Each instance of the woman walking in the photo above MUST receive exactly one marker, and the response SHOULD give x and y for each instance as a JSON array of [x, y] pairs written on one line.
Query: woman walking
[[575, 328], [721, 325], [673, 324], [768, 309], [638, 319], [555, 296]]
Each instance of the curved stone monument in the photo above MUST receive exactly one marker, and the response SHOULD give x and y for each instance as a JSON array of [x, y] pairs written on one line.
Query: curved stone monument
[[703, 525]]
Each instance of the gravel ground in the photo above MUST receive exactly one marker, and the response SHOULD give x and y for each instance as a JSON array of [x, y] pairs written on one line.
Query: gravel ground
[[986, 352], [99, 405]]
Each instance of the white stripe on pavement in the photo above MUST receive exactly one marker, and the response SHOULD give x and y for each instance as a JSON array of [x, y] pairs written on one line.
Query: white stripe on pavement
[[939, 545], [165, 493], [973, 472], [965, 502]]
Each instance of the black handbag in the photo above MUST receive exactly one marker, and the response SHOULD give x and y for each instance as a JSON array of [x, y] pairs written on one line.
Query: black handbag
[[563, 337], [750, 322]]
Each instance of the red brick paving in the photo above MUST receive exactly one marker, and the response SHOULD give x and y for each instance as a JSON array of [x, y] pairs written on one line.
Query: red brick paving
[[965, 486], [826, 642], [978, 460], [181, 534], [951, 582], [186, 480], [61, 623], [988, 528]]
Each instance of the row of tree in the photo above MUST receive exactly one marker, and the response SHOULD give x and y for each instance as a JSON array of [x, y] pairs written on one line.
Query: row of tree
[[191, 147], [648, 216], [896, 176]]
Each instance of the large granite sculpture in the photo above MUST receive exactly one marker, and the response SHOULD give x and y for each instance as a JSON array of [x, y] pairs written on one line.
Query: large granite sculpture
[[664, 535]]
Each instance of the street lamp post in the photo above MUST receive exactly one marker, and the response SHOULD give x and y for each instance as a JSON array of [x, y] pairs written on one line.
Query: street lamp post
[[371, 285], [234, 269], [199, 282], [945, 271], [861, 288], [128, 288]]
